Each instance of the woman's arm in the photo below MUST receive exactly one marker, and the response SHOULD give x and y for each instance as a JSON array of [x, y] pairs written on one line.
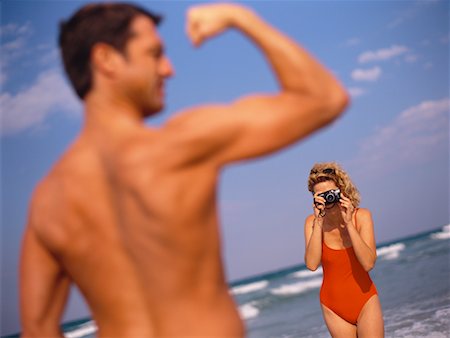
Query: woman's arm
[[313, 235], [363, 239], [313, 243]]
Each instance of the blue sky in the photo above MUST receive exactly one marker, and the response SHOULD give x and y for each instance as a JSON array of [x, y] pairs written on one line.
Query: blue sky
[[392, 56]]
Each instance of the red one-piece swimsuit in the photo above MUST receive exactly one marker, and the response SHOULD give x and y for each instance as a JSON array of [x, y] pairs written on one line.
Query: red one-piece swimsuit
[[346, 286]]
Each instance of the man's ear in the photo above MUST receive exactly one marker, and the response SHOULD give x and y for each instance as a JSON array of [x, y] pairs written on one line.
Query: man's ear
[[106, 59]]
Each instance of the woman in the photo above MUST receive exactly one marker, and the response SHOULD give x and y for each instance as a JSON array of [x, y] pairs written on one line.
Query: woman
[[340, 236]]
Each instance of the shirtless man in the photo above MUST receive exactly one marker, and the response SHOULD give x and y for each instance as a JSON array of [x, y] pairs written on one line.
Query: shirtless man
[[129, 213]]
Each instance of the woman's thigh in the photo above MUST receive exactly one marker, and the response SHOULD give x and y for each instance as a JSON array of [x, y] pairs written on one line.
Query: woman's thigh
[[370, 320], [337, 326]]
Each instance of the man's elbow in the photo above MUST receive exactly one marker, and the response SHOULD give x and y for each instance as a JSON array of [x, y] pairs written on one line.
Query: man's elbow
[[336, 103], [329, 105]]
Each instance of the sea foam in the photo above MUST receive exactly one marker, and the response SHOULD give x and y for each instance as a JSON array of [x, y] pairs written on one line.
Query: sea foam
[[391, 251], [431, 327], [248, 311], [85, 329], [444, 234], [307, 273], [242, 289], [297, 288]]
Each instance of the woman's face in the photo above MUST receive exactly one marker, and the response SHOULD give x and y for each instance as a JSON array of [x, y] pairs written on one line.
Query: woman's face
[[325, 186]]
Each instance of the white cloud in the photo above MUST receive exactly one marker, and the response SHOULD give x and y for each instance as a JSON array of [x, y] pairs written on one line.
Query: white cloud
[[371, 74], [13, 29], [29, 108], [356, 91], [414, 136], [382, 54], [13, 50], [14, 39], [19, 55], [13, 46]]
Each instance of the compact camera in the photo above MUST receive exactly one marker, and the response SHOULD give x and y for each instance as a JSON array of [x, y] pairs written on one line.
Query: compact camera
[[331, 196]]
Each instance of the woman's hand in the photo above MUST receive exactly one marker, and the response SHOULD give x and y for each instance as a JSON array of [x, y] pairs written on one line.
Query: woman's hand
[[319, 209], [347, 209]]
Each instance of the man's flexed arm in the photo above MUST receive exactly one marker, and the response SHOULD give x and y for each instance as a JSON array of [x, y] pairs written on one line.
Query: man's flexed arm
[[295, 69], [309, 97]]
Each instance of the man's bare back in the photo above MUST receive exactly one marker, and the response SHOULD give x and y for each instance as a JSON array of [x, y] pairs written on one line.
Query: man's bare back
[[127, 225], [129, 213]]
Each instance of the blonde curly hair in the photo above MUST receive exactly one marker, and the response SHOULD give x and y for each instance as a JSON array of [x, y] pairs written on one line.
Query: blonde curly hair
[[331, 171]]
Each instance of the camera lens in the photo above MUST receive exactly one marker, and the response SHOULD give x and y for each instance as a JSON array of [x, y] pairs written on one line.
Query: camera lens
[[330, 198]]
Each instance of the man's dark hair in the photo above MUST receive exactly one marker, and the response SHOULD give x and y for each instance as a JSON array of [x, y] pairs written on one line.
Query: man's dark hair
[[103, 22]]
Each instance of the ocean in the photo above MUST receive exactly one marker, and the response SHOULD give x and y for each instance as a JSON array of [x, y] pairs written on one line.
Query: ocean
[[412, 276]]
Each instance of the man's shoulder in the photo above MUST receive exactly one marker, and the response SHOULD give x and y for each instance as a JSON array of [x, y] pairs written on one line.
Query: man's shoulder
[[200, 134], [195, 114], [159, 148], [51, 187], [43, 208], [49, 205], [44, 195]]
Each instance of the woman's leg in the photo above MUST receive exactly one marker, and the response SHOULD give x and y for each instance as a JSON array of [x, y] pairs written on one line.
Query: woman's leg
[[338, 327], [370, 320]]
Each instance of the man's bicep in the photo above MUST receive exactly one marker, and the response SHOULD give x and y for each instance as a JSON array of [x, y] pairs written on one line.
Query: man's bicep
[[270, 123], [44, 287], [250, 127], [202, 133]]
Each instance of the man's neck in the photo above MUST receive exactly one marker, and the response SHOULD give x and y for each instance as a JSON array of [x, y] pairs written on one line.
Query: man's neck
[[110, 116]]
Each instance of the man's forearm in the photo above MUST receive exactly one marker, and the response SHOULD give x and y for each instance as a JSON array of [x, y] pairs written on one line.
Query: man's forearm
[[294, 67]]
